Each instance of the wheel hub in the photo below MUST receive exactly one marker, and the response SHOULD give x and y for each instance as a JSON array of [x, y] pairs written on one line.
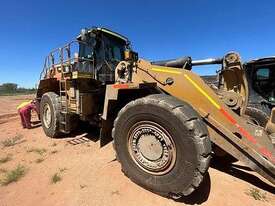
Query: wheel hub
[[152, 147]]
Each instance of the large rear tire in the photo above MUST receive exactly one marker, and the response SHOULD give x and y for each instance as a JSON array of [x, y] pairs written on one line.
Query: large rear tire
[[162, 145], [50, 111]]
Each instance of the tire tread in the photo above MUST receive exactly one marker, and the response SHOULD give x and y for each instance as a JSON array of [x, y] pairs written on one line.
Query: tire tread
[[187, 115]]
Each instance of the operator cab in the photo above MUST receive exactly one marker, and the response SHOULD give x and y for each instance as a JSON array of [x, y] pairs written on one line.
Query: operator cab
[[261, 74], [100, 51], [97, 52]]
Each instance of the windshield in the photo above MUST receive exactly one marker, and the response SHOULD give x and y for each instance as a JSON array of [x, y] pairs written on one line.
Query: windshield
[[114, 48], [86, 49]]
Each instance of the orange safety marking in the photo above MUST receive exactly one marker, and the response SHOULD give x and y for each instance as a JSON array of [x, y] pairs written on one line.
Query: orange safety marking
[[265, 152], [120, 86], [228, 116], [246, 134]]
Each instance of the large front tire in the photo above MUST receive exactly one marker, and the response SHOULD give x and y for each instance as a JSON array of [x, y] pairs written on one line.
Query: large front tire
[[162, 145], [50, 111]]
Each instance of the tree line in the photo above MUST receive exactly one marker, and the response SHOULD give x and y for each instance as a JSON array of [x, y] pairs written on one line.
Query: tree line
[[12, 88]]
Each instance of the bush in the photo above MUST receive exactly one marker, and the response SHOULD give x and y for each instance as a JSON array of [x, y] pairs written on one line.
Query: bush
[[14, 175]]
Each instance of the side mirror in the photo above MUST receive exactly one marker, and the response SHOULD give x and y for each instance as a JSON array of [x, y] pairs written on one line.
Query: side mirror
[[130, 55]]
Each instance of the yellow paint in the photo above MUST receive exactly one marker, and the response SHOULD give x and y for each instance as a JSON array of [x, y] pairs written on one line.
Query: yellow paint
[[23, 104], [172, 71], [76, 75], [202, 91]]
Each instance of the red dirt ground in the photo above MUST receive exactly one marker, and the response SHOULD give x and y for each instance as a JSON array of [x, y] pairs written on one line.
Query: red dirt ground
[[91, 175]]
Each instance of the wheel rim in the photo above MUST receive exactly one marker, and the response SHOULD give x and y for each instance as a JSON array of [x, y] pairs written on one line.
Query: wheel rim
[[47, 115], [151, 147]]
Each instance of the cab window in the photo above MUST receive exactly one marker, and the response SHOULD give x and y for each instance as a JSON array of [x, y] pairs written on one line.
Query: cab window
[[86, 49], [114, 49], [262, 74], [264, 83]]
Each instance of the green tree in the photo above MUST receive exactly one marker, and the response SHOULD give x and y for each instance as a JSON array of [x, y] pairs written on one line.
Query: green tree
[[9, 87]]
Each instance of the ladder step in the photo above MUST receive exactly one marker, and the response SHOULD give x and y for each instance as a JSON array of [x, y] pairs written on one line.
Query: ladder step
[[63, 122]]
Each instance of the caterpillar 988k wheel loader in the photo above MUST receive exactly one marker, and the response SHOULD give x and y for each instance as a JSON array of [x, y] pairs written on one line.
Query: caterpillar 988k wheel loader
[[162, 117]]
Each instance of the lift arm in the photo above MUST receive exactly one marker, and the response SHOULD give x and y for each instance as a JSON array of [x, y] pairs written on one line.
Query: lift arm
[[246, 142]]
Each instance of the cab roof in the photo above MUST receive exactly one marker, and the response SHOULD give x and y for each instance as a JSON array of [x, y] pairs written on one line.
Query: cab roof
[[107, 31], [270, 59]]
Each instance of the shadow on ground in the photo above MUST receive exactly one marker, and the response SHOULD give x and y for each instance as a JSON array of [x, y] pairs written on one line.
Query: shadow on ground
[[242, 172], [83, 134]]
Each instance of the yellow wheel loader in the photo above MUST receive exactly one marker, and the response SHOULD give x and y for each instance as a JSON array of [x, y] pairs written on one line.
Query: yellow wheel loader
[[163, 119]]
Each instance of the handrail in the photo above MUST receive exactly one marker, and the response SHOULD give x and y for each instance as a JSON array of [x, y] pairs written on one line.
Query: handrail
[[49, 61]]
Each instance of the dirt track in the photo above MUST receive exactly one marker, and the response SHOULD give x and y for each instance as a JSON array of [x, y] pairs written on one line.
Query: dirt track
[[91, 175]]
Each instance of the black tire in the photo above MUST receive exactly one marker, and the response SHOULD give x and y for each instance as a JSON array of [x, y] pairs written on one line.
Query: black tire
[[188, 132], [257, 116], [51, 101]]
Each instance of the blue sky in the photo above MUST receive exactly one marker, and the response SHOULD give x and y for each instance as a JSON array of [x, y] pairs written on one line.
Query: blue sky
[[157, 30]]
